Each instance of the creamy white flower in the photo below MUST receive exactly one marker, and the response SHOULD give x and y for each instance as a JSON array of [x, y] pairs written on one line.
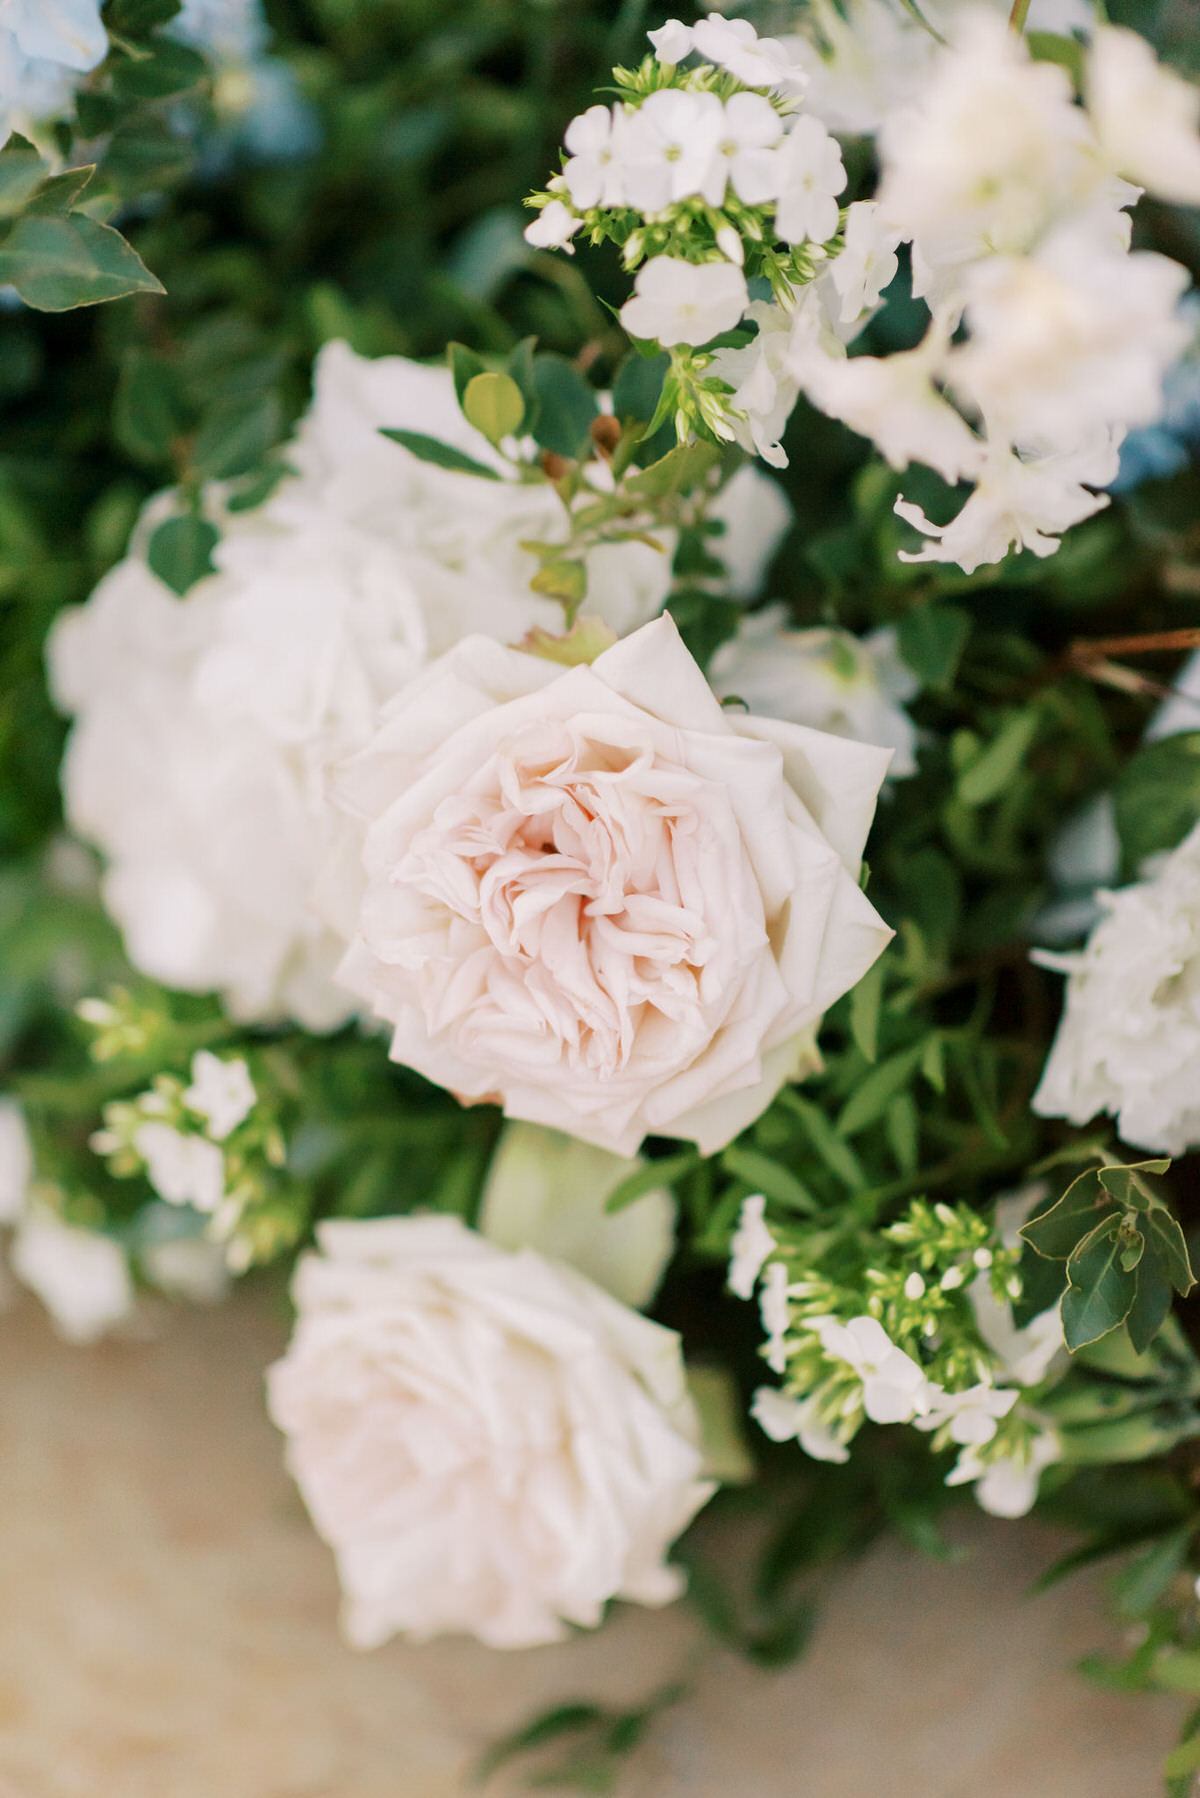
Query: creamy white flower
[[1070, 340], [183, 1266], [1027, 1354], [205, 726], [991, 151], [669, 149], [46, 47], [16, 1161], [825, 678], [894, 1389], [672, 41], [750, 128], [776, 1312], [1129, 1040], [733, 44], [810, 177], [489, 1442], [229, 31], [548, 1192], [684, 302], [1144, 115], [763, 374], [182, 1169], [221, 1092], [594, 170], [893, 400], [1007, 1486], [553, 228], [972, 1415], [750, 1247], [867, 264], [1023, 502], [756, 516], [787, 1419], [81, 1277], [599, 898]]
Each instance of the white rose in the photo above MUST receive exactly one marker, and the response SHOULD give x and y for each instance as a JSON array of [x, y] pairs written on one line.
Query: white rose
[[598, 898], [489, 1443], [825, 678], [548, 1192], [205, 726]]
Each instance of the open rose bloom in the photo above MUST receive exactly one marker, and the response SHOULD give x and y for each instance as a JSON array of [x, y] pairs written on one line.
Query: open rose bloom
[[601, 900]]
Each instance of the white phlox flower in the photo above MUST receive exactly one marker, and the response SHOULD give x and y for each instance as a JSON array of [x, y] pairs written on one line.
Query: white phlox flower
[[668, 149], [1129, 1040], [734, 45], [763, 373], [972, 1415], [750, 1248], [867, 264], [182, 1169], [1007, 1486], [1028, 503], [672, 42], [1145, 116], [221, 1092], [894, 1389], [684, 302], [776, 1315], [853, 687], [45, 51], [787, 1419], [553, 228], [80, 1276], [811, 175], [744, 152]]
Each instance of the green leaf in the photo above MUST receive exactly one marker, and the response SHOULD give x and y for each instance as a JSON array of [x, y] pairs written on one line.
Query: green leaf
[[235, 437], [638, 386], [1166, 1241], [493, 404], [931, 640], [135, 17], [171, 68], [680, 471], [864, 1011], [991, 773], [1156, 797], [519, 367], [563, 580], [1056, 1230], [60, 192], [180, 551], [1100, 1294], [901, 1123], [876, 1090], [562, 1720], [1184, 1760], [648, 1178], [148, 412], [763, 1174], [464, 366], [58, 263], [834, 1151], [22, 173], [566, 406], [440, 454], [1146, 1577], [1151, 1305], [1128, 1185]]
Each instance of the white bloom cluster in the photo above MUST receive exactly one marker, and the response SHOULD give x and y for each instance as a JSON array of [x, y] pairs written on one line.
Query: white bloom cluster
[[825, 678], [204, 726], [1012, 198], [1129, 1040], [489, 1442], [45, 51], [841, 1370]]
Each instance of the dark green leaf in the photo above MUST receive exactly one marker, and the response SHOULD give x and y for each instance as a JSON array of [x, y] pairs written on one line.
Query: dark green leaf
[[180, 551], [1100, 1294], [562, 1720], [519, 368], [765, 1175], [864, 1011], [464, 366], [679, 471], [59, 263], [148, 413], [1151, 1305], [932, 640], [1156, 797], [1165, 1240], [22, 173], [170, 69], [430, 450], [1056, 1229], [990, 773], [1128, 1184], [638, 386], [649, 1177], [566, 406], [235, 436], [60, 192], [876, 1090]]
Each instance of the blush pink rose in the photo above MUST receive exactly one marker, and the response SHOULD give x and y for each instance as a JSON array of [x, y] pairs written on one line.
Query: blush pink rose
[[595, 897]]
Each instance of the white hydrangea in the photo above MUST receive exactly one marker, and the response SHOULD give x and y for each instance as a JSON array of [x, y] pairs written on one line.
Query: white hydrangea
[[1129, 1040], [204, 726], [45, 51], [826, 678]]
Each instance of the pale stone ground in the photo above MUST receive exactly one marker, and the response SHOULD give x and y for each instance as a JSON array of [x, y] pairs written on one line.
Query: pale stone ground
[[167, 1630]]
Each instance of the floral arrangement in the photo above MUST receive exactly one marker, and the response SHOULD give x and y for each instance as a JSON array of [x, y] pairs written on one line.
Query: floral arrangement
[[642, 849]]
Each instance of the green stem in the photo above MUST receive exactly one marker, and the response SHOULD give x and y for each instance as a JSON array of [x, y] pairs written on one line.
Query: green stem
[[1018, 16]]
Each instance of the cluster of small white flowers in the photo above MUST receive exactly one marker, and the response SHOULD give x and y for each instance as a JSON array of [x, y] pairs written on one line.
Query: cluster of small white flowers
[[175, 1134], [840, 1371], [45, 52], [1129, 1040], [1013, 199]]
